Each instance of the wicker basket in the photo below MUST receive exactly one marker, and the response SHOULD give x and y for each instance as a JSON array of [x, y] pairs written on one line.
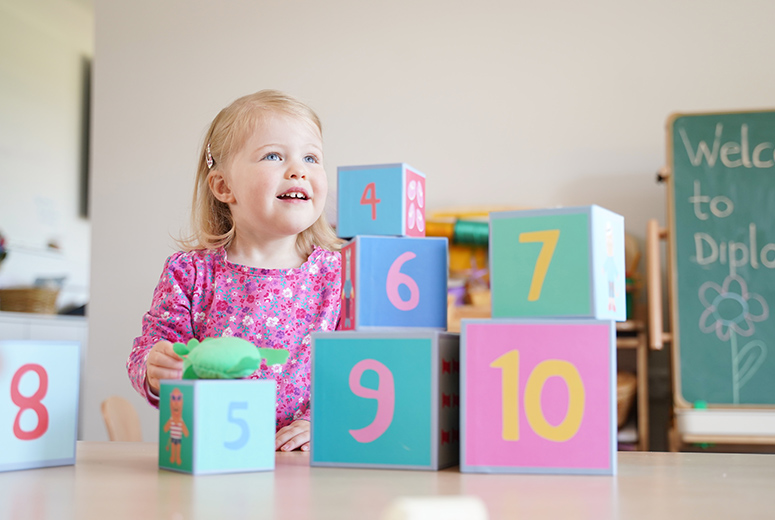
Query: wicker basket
[[626, 384], [39, 300]]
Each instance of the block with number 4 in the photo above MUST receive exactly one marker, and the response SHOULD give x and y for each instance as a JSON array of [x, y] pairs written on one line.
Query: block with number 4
[[538, 396], [217, 425], [38, 403], [385, 199], [564, 262], [385, 400], [394, 282]]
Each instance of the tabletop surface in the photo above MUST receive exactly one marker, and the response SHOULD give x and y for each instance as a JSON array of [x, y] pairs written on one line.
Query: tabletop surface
[[122, 480]]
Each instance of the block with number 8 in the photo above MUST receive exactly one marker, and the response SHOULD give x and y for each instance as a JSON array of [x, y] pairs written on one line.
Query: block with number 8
[[385, 200], [394, 282], [385, 400], [563, 262], [38, 404], [217, 426]]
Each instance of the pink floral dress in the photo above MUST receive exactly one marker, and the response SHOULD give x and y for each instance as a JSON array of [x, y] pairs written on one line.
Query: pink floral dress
[[203, 295]]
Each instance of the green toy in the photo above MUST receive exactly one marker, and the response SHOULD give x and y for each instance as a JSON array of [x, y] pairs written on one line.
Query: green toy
[[224, 358]]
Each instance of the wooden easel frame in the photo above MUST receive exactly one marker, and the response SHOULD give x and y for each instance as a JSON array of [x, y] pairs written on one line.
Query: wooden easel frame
[[658, 337]]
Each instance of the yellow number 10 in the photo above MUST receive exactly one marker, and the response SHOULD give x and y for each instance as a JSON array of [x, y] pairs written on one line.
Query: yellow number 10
[[549, 239], [509, 364]]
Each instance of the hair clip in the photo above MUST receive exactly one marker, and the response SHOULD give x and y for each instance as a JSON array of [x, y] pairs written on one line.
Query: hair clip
[[209, 157]]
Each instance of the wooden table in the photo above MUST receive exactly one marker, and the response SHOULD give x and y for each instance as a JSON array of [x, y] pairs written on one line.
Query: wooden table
[[122, 480]]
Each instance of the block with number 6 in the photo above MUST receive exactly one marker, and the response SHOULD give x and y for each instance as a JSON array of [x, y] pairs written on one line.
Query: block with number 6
[[394, 282], [217, 425], [563, 262], [38, 404], [384, 199], [538, 396], [385, 400]]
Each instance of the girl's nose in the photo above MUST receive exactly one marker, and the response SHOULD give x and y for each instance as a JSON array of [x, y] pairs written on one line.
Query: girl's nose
[[296, 171]]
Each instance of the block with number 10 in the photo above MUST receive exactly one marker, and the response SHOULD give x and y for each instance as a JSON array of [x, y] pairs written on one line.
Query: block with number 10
[[394, 282], [385, 199], [38, 403], [385, 400], [564, 262], [538, 396], [217, 426]]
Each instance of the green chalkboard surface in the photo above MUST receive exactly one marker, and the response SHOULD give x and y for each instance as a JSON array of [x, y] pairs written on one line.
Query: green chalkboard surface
[[722, 232]]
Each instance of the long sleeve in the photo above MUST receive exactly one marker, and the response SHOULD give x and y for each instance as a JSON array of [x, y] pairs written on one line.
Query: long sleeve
[[169, 318]]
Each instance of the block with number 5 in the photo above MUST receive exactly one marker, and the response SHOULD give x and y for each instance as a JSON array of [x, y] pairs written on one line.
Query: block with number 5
[[38, 403], [217, 425], [394, 282], [538, 396], [385, 199], [385, 400], [562, 262]]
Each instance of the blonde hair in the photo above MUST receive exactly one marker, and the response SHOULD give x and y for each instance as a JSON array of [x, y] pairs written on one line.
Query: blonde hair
[[211, 220]]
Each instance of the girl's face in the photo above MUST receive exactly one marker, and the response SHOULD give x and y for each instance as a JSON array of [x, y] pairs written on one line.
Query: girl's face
[[275, 185]]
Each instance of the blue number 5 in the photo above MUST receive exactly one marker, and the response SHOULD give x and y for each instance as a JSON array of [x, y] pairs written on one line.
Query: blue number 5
[[245, 432]]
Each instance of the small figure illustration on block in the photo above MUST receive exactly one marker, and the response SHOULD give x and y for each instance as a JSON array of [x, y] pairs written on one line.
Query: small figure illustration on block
[[176, 426]]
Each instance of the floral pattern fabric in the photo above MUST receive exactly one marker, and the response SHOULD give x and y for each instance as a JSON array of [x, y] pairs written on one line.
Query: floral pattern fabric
[[203, 295]]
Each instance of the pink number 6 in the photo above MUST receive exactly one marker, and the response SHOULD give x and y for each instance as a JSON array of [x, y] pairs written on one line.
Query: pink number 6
[[395, 278], [384, 394]]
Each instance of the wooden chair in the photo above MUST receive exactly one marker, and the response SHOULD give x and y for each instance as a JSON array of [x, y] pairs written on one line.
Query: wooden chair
[[121, 420]]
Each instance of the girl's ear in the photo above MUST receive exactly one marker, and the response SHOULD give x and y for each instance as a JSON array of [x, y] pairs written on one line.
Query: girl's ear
[[219, 187]]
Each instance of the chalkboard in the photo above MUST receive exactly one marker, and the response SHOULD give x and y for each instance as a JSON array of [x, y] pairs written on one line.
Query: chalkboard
[[722, 257]]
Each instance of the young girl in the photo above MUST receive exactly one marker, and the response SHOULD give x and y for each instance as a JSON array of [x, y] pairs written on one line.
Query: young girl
[[262, 264]]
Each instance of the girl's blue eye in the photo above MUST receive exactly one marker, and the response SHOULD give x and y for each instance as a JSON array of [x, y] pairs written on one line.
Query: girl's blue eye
[[272, 157], [311, 159]]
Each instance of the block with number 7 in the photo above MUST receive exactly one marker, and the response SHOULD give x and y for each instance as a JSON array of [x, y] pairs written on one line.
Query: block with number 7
[[385, 399], [385, 199], [390, 282], [560, 262]]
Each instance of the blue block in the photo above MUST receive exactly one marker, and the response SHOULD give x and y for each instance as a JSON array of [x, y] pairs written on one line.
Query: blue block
[[385, 400], [563, 262], [394, 282], [217, 426], [385, 199], [38, 403]]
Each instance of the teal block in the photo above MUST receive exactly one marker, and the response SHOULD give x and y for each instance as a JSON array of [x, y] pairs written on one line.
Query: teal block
[[385, 400], [382, 199], [38, 403], [217, 426], [563, 262]]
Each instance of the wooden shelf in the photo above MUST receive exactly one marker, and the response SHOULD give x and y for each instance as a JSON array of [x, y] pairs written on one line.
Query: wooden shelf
[[631, 334]]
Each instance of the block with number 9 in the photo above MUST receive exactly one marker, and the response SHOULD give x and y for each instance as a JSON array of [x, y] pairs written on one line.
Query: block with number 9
[[217, 426], [385, 400], [38, 403], [385, 200], [563, 262], [394, 282], [538, 396]]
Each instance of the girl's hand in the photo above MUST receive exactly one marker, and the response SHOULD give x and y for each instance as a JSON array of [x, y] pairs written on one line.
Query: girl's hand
[[162, 363], [293, 436]]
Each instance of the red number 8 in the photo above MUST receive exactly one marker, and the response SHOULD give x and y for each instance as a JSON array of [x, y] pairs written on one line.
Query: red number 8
[[30, 403]]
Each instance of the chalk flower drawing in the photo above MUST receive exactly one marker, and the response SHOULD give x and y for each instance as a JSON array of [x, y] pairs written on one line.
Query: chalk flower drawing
[[730, 310]]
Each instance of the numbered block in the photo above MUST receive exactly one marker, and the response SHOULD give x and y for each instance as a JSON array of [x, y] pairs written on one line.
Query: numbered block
[[385, 400], [538, 396], [217, 425], [565, 262], [385, 199], [38, 403], [394, 282]]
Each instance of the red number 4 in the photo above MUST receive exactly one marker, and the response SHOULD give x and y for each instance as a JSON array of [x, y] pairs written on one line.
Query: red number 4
[[30, 403], [373, 201]]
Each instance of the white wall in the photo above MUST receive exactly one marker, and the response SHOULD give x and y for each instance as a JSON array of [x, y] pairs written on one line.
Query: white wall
[[42, 43], [498, 102]]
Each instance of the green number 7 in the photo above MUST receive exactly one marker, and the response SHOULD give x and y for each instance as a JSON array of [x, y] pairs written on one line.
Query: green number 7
[[549, 239]]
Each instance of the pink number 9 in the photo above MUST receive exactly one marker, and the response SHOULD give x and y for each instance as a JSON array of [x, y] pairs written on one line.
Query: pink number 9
[[395, 278], [384, 394]]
